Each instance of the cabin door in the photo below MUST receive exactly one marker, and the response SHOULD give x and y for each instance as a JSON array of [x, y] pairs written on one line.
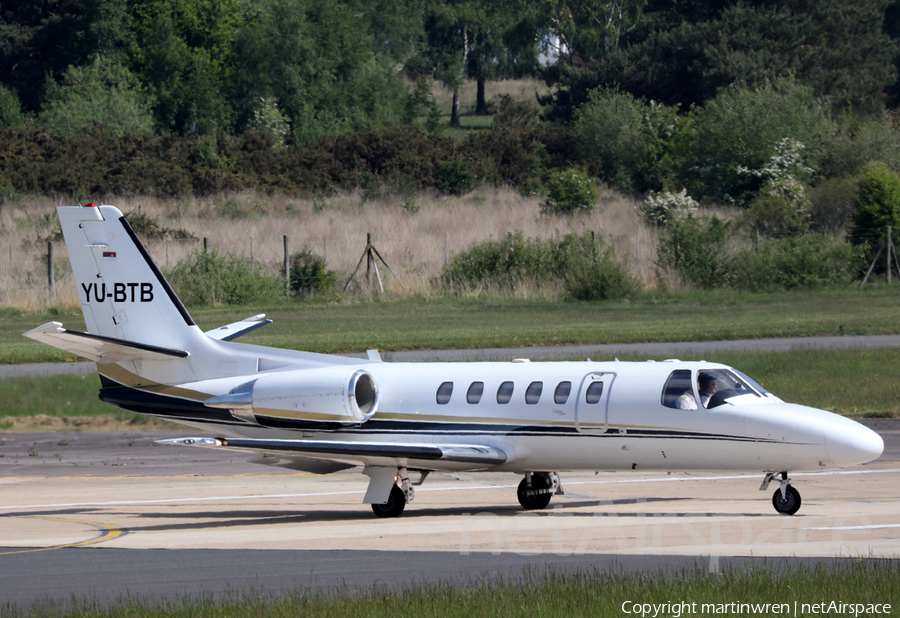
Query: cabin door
[[592, 405]]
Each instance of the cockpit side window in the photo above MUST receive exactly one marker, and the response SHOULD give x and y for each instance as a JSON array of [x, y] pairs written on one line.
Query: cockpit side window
[[678, 393]]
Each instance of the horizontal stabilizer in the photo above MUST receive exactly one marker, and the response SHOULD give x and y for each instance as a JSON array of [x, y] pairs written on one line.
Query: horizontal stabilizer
[[99, 348], [232, 331], [459, 453]]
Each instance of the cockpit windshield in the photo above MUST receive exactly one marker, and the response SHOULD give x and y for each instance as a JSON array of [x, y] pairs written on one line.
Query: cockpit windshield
[[725, 384], [714, 387]]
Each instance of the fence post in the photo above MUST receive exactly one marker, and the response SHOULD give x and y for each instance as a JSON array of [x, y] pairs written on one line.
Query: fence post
[[324, 249], [287, 266], [887, 259], [50, 267], [369, 260], [204, 244]]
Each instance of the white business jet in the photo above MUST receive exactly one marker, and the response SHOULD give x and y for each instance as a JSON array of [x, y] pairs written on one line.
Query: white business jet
[[323, 413]]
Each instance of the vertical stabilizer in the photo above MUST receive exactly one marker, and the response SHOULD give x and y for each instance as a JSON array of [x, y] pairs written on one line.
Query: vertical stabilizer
[[123, 294]]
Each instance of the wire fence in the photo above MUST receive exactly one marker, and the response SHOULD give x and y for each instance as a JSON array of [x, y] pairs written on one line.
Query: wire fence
[[41, 268]]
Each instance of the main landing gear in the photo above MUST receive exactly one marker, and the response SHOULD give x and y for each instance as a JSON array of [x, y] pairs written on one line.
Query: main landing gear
[[537, 488], [786, 499], [400, 494]]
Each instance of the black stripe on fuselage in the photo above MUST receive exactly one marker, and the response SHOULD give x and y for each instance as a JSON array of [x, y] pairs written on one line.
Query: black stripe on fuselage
[[182, 409]]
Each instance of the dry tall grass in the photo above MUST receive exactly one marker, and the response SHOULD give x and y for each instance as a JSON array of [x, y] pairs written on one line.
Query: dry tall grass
[[416, 238]]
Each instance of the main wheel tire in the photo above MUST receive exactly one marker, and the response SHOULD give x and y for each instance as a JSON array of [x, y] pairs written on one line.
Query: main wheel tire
[[537, 496], [394, 506], [789, 504]]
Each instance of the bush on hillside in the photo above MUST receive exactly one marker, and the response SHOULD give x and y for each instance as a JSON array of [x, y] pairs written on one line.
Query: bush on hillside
[[569, 192], [877, 204], [696, 250], [308, 274], [806, 261], [208, 278], [584, 266]]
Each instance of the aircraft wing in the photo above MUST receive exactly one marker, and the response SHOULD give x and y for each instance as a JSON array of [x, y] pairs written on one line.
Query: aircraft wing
[[99, 348], [456, 453], [232, 331]]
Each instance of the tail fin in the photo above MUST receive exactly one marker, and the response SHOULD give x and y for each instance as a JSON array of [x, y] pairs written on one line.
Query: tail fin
[[123, 294]]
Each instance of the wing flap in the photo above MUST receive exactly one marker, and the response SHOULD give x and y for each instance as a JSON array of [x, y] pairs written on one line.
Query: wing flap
[[99, 348], [456, 453]]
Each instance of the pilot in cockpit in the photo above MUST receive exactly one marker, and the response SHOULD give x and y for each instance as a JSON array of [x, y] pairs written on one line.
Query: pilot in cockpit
[[708, 387]]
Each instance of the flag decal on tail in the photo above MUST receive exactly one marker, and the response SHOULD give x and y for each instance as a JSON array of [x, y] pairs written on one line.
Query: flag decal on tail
[[109, 255]]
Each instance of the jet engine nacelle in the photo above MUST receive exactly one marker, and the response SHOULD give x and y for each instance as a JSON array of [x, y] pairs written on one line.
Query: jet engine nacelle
[[341, 394]]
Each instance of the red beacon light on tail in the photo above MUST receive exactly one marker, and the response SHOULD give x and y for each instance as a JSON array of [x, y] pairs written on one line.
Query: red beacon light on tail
[[91, 205]]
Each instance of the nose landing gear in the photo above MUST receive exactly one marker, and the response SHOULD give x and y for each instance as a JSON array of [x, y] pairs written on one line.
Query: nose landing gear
[[786, 499]]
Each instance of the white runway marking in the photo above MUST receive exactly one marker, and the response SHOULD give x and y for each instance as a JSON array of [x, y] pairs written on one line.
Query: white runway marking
[[425, 489], [869, 527]]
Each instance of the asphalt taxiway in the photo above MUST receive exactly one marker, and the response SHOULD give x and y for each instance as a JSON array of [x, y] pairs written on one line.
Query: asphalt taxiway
[[108, 516]]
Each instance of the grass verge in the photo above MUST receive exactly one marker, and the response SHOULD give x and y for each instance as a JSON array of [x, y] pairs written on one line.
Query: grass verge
[[489, 320], [65, 402], [759, 592]]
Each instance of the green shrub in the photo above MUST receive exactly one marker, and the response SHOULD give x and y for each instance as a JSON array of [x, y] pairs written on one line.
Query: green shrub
[[831, 204], [582, 264], [208, 278], [308, 274], [659, 209], [594, 274], [857, 140], [804, 261], [877, 204], [779, 209], [741, 130], [501, 264], [455, 178], [614, 126], [696, 250], [569, 192]]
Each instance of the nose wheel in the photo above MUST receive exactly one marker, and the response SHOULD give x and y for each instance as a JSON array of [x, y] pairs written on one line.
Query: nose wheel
[[786, 499], [786, 504]]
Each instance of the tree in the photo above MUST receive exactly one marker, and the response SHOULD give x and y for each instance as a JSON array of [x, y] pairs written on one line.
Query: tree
[[185, 56], [740, 130], [314, 61], [45, 37], [10, 109], [103, 92], [684, 53], [877, 204]]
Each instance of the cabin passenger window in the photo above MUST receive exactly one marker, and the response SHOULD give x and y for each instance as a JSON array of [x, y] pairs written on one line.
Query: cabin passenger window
[[475, 392], [678, 392], [594, 392], [443, 393], [561, 395], [533, 393], [504, 393]]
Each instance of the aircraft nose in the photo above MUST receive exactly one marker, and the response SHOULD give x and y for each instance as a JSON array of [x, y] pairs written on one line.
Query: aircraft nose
[[852, 443]]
